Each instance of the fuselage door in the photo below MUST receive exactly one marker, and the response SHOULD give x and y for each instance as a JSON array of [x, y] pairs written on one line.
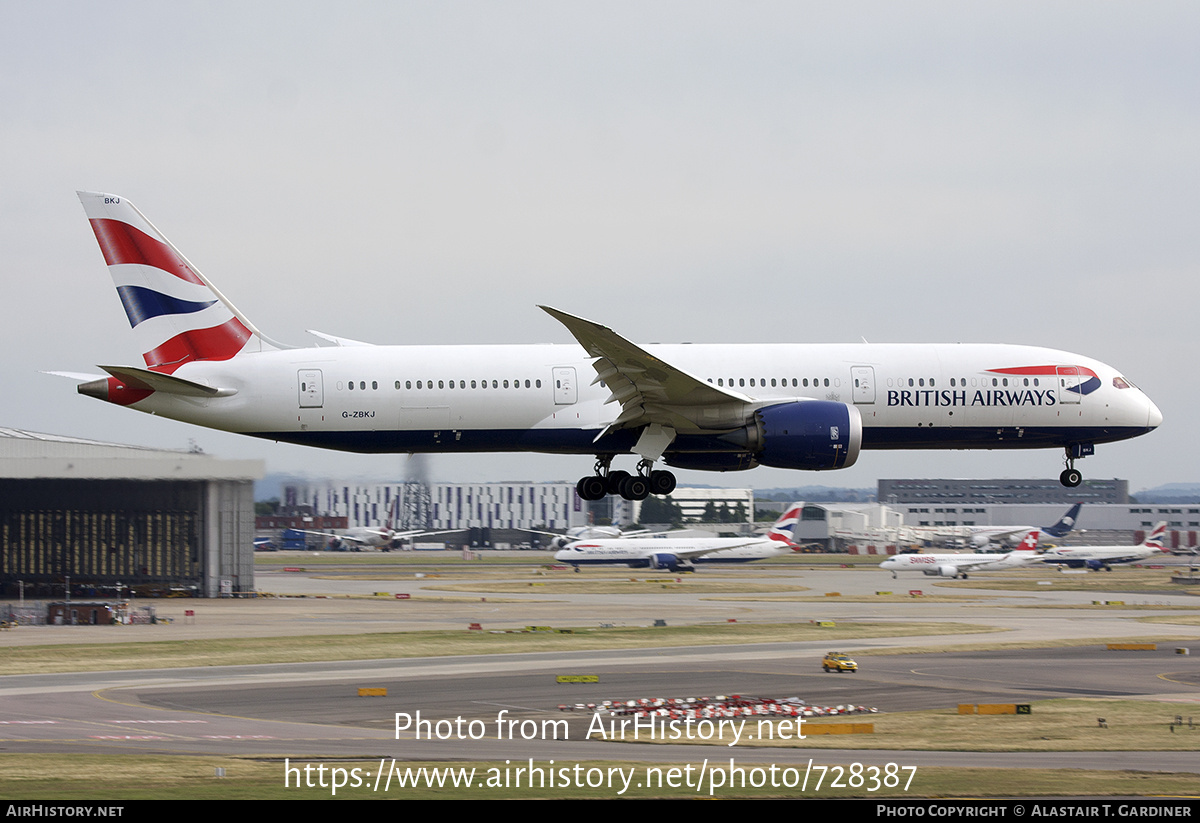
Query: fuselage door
[[312, 394], [1068, 384], [863, 378], [564, 386]]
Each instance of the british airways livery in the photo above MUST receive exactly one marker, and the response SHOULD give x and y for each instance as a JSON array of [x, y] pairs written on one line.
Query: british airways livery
[[710, 407], [679, 553]]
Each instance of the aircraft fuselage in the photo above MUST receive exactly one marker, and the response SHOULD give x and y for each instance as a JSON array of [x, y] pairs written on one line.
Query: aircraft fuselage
[[539, 398]]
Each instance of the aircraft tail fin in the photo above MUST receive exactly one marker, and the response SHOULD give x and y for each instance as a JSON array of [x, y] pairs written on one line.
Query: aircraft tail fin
[[1065, 524], [784, 529], [177, 315], [1029, 542], [1157, 537]]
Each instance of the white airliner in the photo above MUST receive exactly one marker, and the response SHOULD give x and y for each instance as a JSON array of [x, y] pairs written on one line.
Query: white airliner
[[385, 537], [1102, 557], [708, 407], [960, 565], [981, 536], [678, 553]]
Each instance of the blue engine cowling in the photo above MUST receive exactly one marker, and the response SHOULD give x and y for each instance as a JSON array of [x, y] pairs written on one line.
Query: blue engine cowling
[[665, 560], [809, 434]]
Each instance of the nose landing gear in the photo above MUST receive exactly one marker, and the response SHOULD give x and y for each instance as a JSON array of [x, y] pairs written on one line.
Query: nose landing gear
[[1071, 476]]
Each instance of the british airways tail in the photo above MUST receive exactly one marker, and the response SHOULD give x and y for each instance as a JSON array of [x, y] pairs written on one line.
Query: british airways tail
[[784, 529], [176, 314], [1157, 538]]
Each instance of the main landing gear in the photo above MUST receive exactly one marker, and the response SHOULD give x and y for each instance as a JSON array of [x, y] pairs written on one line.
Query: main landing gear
[[630, 486], [1071, 476]]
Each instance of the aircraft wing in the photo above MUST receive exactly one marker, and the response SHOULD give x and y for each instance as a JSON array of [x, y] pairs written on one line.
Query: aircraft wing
[[692, 554], [968, 562], [649, 390]]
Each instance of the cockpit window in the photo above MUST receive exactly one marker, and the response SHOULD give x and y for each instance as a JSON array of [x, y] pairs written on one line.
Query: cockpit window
[[1121, 383]]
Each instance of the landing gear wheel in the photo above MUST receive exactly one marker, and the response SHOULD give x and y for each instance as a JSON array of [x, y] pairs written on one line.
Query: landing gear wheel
[[591, 488], [1071, 478], [662, 482], [614, 480], [635, 487]]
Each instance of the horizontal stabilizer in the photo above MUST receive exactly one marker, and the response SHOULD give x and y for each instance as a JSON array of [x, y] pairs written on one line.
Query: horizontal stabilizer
[[146, 380], [75, 375], [340, 341]]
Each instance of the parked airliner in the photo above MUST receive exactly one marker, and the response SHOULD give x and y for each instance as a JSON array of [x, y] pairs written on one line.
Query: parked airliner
[[386, 537], [981, 536], [708, 407], [1102, 557], [960, 565], [678, 553]]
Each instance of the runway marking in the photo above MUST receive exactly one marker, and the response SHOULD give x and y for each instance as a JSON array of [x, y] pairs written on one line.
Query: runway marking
[[506, 705], [140, 706], [1170, 679]]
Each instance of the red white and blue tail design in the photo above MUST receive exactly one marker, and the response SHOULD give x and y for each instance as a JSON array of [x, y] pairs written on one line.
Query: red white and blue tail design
[[1157, 538], [784, 530], [177, 315]]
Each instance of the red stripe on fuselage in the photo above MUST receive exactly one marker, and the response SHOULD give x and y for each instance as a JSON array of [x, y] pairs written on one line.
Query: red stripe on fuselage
[[217, 343], [1043, 370], [122, 243]]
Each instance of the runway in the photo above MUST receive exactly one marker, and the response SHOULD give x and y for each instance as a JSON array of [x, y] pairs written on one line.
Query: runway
[[313, 710]]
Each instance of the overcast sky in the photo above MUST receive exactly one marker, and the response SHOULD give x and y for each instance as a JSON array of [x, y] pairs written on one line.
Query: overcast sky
[[706, 172]]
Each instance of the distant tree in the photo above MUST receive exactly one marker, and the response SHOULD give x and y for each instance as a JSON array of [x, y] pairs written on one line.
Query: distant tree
[[264, 508], [661, 510]]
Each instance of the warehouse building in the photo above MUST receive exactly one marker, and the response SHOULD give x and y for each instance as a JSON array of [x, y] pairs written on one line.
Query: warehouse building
[[102, 518]]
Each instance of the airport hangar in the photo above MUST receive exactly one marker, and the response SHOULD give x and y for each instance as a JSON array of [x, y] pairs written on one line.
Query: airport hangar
[[112, 518]]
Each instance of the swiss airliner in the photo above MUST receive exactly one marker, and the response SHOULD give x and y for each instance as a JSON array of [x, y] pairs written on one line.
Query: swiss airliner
[[710, 407], [961, 565]]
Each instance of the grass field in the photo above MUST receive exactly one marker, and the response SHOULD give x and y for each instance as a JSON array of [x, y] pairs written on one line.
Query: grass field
[[239, 651], [1054, 726], [543, 557]]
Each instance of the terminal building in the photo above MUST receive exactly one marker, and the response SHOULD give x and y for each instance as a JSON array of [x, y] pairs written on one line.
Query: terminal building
[[512, 505], [943, 492], [101, 519]]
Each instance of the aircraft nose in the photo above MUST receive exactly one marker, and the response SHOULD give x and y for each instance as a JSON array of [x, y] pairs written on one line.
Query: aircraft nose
[[1153, 416]]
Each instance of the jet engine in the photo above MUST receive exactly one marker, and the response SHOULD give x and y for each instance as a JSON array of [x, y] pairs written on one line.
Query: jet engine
[[808, 434], [666, 560], [944, 570]]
